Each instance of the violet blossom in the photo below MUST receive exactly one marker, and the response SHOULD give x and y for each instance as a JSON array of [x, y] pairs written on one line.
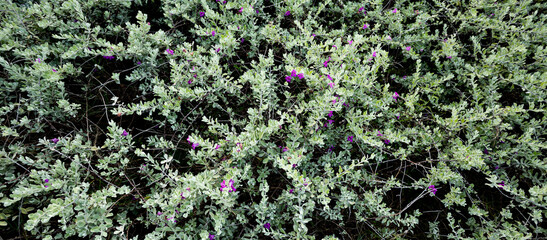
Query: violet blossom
[[267, 226], [124, 133], [350, 138], [55, 140], [223, 185], [395, 96], [433, 189], [408, 48], [287, 13], [502, 184], [394, 10]]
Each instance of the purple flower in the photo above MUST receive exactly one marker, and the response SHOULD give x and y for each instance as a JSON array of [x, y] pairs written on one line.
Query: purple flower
[[39, 60], [291, 191], [433, 189], [293, 73], [216, 148], [328, 76], [241, 10], [53, 69], [288, 79], [194, 145], [449, 57], [502, 184], [365, 26], [350, 42], [201, 14], [108, 57], [394, 10], [242, 39], [190, 81], [46, 180], [213, 33], [374, 54], [231, 184], [139, 63], [160, 213], [55, 140], [485, 151], [330, 114], [379, 134], [313, 35], [211, 237], [294, 165], [408, 48], [218, 50], [395, 96], [124, 133], [300, 76], [497, 167], [331, 84], [361, 9], [181, 196], [169, 51], [288, 13], [267, 226], [350, 138], [386, 141], [223, 185], [285, 149], [330, 121]]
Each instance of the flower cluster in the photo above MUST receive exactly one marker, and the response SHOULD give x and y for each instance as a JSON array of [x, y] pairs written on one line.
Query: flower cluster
[[294, 74], [433, 189], [169, 51], [108, 57], [230, 184]]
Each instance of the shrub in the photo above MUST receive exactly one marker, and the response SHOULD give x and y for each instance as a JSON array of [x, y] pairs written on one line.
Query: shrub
[[272, 119]]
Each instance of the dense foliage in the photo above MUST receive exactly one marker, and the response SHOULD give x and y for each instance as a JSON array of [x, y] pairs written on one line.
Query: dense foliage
[[270, 119]]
